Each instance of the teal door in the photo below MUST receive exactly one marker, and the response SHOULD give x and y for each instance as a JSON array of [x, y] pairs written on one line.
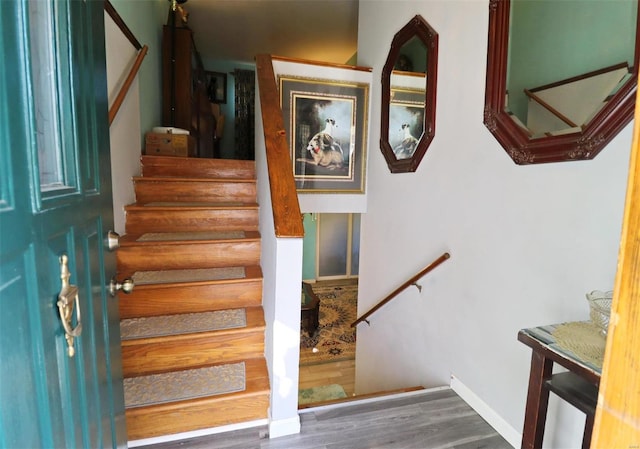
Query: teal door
[[55, 211]]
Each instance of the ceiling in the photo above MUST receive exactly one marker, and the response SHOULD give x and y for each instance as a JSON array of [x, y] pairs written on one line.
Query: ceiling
[[237, 30]]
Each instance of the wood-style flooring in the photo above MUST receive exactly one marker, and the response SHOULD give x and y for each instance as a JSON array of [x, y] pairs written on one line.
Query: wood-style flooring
[[341, 373], [431, 420]]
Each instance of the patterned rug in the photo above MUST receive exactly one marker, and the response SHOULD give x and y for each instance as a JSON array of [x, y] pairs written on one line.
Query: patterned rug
[[335, 339]]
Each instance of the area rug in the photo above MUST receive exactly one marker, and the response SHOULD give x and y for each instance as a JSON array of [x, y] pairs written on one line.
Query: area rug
[[321, 394], [335, 339]]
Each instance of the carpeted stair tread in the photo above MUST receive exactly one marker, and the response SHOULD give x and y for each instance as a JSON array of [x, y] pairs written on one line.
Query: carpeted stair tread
[[192, 275], [182, 236], [184, 385], [185, 323]]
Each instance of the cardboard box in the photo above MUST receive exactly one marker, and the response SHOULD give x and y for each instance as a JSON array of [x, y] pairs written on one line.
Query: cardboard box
[[168, 144]]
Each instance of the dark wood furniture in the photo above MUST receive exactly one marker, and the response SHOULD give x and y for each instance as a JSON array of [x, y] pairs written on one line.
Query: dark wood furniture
[[310, 310], [578, 386], [185, 102]]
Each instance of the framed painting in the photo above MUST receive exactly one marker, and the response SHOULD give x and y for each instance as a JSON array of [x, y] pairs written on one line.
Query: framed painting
[[326, 123], [406, 120], [217, 87]]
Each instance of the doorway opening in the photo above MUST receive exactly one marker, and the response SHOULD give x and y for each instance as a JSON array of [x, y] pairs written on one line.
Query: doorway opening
[[331, 251]]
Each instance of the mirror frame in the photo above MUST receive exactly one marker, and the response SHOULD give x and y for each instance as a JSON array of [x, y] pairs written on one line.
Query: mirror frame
[[416, 27], [602, 128]]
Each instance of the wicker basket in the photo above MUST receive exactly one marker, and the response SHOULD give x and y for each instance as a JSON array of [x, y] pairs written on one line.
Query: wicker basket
[[600, 308]]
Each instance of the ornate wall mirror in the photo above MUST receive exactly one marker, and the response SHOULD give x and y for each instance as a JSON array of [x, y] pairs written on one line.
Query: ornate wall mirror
[[409, 77], [561, 76]]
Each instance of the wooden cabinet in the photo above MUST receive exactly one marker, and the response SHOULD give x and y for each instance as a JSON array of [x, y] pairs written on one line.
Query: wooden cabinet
[[184, 96]]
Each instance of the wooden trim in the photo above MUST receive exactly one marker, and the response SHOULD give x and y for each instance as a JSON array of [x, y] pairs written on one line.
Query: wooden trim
[[617, 422], [284, 197], [321, 64], [115, 107], [395, 293], [108, 7]]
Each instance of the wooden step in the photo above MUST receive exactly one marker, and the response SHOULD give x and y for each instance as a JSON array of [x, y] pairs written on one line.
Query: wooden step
[[201, 413], [193, 296], [188, 217], [197, 167], [160, 354], [360, 397], [182, 250], [149, 189]]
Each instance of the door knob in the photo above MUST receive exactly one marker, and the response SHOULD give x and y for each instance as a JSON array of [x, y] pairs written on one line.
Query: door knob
[[126, 286], [112, 241]]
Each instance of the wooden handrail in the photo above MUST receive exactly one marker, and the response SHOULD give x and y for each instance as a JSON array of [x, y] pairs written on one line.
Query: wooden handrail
[[115, 107], [108, 7], [142, 52], [549, 108], [286, 209], [393, 294]]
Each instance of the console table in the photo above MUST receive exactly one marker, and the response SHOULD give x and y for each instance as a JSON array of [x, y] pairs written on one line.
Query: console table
[[578, 386]]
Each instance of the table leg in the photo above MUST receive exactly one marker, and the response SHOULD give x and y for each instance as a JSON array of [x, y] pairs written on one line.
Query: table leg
[[588, 428], [537, 401]]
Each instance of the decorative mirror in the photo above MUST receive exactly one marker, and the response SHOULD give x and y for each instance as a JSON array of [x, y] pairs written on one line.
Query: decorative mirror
[[408, 121], [561, 76]]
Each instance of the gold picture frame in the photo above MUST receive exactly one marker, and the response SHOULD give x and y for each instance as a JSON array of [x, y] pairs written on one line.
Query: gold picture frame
[[326, 122]]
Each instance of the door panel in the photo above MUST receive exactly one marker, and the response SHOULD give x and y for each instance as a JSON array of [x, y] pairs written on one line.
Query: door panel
[[48, 398]]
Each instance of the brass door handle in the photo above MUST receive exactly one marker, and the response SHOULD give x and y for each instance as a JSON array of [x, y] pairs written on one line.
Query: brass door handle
[[68, 301]]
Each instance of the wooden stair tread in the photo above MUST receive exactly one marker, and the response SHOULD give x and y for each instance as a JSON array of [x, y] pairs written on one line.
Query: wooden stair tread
[[198, 384], [170, 179], [141, 278], [193, 205], [250, 273], [155, 329], [176, 238], [257, 382], [361, 396], [197, 167], [199, 413]]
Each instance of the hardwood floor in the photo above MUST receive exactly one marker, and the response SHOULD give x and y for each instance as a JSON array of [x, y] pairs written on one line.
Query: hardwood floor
[[341, 373], [431, 420]]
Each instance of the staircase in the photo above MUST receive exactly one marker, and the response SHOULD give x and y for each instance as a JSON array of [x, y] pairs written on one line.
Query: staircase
[[193, 327]]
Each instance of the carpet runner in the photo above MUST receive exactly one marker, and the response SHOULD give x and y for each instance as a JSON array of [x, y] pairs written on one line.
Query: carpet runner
[[186, 323], [194, 275], [183, 385]]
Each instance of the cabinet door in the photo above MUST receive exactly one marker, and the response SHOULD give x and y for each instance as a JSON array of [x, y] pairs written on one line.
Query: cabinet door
[[177, 81]]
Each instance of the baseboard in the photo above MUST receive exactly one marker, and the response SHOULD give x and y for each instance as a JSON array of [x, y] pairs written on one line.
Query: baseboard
[[197, 433], [507, 432], [283, 427]]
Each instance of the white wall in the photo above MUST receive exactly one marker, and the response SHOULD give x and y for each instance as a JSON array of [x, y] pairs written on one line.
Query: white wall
[[281, 263], [526, 242], [125, 130]]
